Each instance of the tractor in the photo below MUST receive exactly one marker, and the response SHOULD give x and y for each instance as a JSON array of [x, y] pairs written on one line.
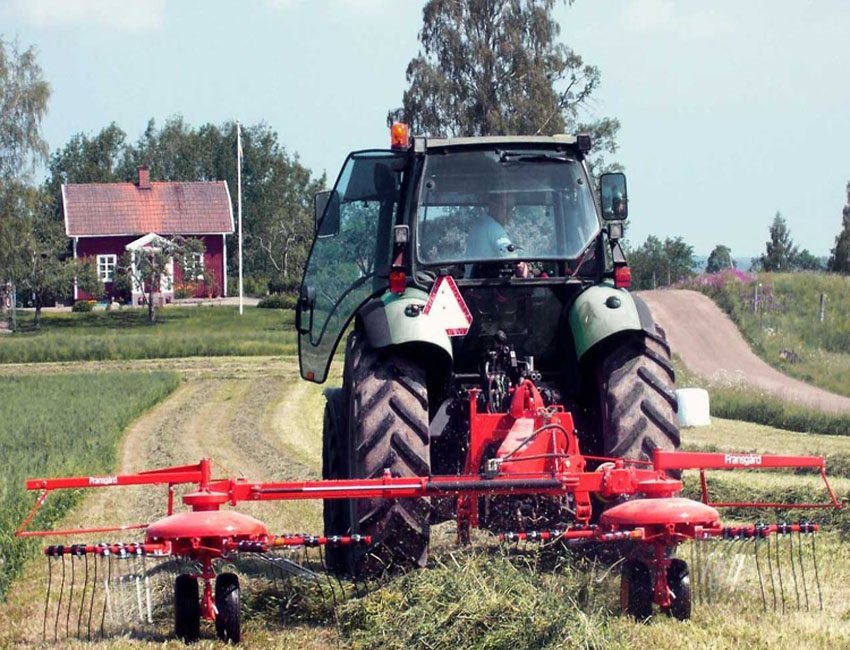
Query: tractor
[[462, 269]]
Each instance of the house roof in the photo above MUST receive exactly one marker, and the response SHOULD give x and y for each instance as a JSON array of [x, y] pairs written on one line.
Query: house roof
[[103, 209]]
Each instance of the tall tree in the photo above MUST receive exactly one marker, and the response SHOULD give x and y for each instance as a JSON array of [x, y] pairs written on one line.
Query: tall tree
[[495, 67], [839, 258], [780, 252], [656, 264], [23, 104], [719, 259]]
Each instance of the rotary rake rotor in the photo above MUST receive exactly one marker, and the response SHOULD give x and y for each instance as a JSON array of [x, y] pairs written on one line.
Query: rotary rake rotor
[[645, 522]]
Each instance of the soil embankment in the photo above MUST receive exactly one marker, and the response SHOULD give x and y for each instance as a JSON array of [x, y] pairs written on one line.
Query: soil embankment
[[710, 345]]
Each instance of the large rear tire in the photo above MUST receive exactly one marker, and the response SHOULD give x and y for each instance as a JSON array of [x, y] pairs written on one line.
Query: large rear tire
[[388, 428], [335, 451], [638, 398]]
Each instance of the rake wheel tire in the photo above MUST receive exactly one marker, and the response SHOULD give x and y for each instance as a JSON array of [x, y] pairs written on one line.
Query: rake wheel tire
[[335, 450], [388, 428], [228, 619], [679, 581], [638, 398], [187, 608], [636, 590]]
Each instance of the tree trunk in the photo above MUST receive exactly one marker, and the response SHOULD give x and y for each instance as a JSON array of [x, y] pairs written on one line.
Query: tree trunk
[[151, 306]]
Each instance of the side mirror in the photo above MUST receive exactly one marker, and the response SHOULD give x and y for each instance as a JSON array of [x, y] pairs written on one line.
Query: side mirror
[[306, 303], [326, 212], [613, 197]]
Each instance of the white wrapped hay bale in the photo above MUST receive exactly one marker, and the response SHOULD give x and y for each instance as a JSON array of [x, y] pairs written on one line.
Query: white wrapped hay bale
[[693, 407]]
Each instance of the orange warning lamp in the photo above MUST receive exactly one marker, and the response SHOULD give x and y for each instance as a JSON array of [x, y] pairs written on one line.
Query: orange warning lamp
[[399, 135]]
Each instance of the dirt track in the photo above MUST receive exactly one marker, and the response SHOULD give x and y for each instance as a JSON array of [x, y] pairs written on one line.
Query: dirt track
[[711, 346], [252, 415]]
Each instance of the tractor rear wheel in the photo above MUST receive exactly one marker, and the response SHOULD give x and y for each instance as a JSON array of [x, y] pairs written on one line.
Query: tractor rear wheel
[[638, 398], [187, 608], [388, 428], [335, 453]]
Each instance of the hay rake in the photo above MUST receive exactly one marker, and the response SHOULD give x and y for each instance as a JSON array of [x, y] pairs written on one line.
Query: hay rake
[[539, 456]]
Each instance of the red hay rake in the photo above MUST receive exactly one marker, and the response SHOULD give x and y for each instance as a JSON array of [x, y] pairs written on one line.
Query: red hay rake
[[538, 454]]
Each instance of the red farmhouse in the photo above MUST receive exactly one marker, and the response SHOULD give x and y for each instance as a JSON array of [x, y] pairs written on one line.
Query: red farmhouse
[[106, 219]]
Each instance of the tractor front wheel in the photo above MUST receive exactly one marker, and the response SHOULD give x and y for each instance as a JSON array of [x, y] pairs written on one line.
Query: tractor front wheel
[[388, 428]]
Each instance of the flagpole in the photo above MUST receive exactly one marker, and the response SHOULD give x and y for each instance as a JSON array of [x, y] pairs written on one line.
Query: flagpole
[[239, 203]]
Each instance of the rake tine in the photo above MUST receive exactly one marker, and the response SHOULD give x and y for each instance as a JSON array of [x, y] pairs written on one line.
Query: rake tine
[[770, 571], [758, 572], [817, 577], [694, 567], [147, 589], [793, 569], [779, 572], [802, 568], [70, 597], [328, 577], [59, 605], [137, 579], [83, 597], [91, 602], [47, 598], [107, 600]]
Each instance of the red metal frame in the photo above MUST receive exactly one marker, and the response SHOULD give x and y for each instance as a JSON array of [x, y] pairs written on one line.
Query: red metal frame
[[530, 450]]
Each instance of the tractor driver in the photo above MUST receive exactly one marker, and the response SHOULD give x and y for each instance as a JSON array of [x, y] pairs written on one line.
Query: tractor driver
[[488, 238]]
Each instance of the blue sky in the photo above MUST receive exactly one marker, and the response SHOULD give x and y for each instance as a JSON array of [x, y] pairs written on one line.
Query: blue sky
[[730, 110]]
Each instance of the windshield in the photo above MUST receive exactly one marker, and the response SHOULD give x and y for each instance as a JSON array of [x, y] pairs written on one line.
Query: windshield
[[494, 204]]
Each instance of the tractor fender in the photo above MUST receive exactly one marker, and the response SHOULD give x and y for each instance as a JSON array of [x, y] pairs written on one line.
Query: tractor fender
[[393, 320], [602, 311]]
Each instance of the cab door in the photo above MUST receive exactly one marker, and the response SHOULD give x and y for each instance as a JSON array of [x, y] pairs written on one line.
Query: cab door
[[349, 259]]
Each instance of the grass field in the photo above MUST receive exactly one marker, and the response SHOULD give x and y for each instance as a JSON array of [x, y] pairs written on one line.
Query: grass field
[[125, 334], [260, 420], [736, 400], [62, 425], [787, 318]]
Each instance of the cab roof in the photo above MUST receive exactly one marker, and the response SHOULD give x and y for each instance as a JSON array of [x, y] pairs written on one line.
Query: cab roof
[[502, 140]]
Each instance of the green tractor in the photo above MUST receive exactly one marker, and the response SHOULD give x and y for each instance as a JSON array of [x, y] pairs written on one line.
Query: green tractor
[[463, 266]]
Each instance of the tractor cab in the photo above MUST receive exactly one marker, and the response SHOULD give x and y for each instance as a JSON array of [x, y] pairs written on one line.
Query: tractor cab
[[513, 220]]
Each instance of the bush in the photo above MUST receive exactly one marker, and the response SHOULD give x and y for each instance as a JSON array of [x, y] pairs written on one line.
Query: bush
[[83, 306], [278, 301], [284, 285]]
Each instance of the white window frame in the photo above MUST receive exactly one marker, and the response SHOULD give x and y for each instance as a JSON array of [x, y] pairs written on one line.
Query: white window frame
[[198, 265], [106, 267]]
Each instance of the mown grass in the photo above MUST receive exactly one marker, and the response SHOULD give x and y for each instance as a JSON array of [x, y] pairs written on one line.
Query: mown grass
[[488, 600], [61, 425], [126, 334], [787, 318]]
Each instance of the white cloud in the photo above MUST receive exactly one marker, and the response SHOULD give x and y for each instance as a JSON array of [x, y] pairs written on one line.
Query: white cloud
[[667, 16], [119, 15]]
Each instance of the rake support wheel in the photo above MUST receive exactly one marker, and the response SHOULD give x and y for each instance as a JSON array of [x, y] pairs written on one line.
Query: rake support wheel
[[636, 590], [638, 398], [388, 427], [228, 618], [679, 582], [187, 608]]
